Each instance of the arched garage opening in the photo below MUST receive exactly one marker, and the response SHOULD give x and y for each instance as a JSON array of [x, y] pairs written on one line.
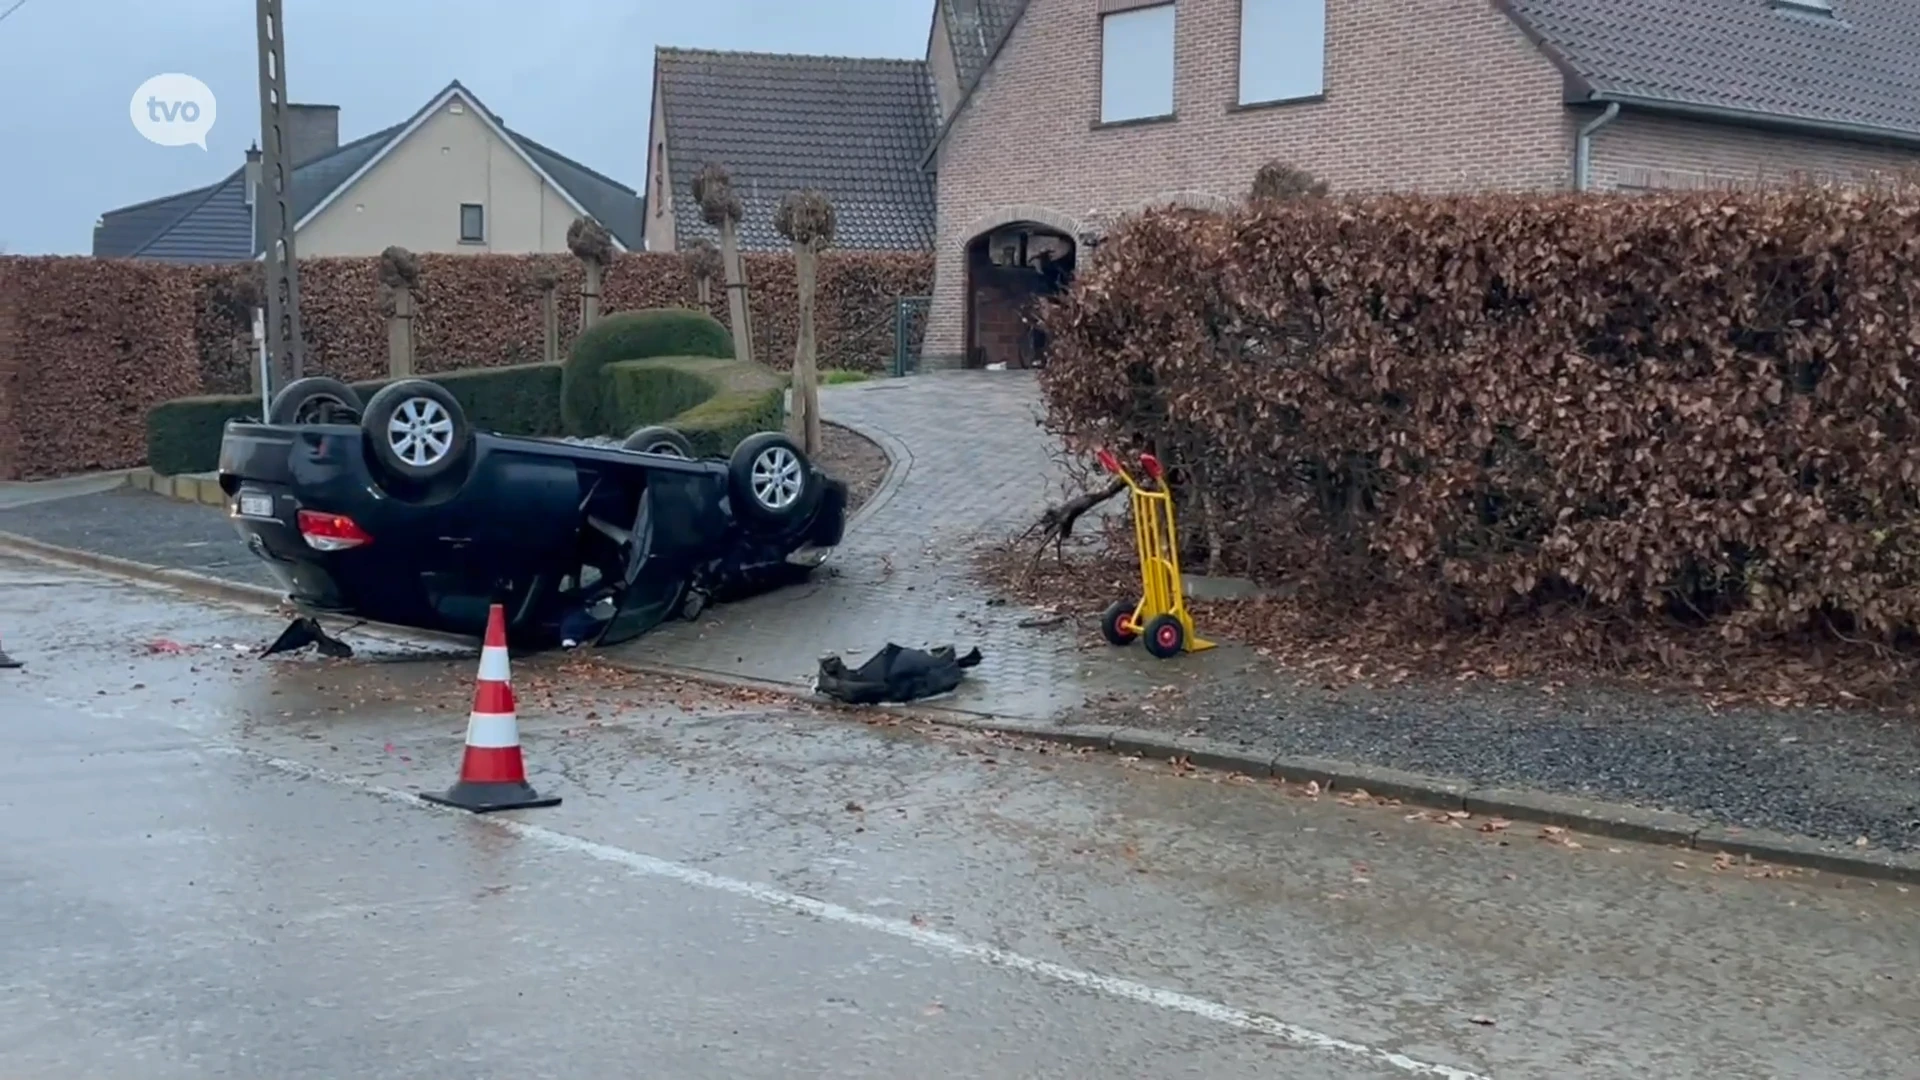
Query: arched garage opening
[[1010, 269]]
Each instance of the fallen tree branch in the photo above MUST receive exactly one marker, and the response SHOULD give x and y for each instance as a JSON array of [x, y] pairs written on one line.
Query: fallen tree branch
[[1056, 525]]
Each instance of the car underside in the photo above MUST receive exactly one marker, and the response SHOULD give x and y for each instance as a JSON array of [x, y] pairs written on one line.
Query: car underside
[[397, 512]]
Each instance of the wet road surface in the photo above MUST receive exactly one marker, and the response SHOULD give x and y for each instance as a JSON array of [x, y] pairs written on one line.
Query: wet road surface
[[213, 866]]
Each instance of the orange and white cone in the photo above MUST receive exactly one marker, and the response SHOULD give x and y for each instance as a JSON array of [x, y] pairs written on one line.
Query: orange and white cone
[[8, 662], [493, 776]]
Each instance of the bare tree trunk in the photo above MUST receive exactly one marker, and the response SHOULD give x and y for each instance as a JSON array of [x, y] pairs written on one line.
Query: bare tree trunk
[[590, 295], [736, 291], [550, 326], [705, 292], [806, 376], [400, 336]]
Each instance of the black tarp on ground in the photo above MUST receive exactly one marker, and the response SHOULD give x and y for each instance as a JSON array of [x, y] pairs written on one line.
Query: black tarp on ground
[[896, 674]]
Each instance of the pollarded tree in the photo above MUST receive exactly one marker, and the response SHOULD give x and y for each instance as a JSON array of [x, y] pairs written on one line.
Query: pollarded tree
[[704, 263], [400, 280], [721, 208], [590, 241], [805, 218], [1277, 181]]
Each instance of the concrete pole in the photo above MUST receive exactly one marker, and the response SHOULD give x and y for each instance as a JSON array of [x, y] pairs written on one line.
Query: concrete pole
[[276, 197]]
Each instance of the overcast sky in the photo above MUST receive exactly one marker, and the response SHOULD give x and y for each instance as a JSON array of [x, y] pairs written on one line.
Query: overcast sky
[[573, 74]]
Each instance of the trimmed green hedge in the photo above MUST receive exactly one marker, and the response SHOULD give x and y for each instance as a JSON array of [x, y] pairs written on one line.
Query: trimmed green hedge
[[183, 435], [631, 335], [714, 403]]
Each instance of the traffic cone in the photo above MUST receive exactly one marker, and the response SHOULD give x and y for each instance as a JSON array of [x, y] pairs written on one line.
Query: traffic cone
[[492, 774], [7, 662]]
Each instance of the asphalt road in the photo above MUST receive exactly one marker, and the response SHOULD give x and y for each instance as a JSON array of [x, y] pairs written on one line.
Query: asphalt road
[[213, 866]]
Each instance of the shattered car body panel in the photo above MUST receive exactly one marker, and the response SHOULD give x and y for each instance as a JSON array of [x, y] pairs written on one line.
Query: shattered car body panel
[[548, 529]]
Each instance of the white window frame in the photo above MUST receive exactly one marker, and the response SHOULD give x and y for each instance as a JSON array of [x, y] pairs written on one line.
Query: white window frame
[[1132, 32], [1280, 58], [464, 238]]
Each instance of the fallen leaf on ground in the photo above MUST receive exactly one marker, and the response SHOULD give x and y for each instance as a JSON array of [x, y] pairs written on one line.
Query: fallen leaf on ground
[[1494, 825]]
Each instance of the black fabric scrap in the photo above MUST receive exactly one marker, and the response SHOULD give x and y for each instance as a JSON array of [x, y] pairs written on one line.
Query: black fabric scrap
[[896, 674]]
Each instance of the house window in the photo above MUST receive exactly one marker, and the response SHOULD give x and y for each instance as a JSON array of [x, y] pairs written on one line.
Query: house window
[[473, 223], [1283, 48], [1136, 64]]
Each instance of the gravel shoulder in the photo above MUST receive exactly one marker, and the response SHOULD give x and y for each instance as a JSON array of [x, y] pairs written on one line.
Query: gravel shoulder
[[1829, 774]]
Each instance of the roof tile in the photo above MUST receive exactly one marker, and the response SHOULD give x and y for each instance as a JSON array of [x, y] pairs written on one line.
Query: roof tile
[[974, 28], [855, 129], [1858, 67]]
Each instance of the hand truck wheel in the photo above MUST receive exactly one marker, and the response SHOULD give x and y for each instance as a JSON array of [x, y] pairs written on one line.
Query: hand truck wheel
[[1166, 637], [1116, 624]]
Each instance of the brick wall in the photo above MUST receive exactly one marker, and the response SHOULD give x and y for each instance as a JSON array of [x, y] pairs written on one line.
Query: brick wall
[[1638, 151], [1439, 95]]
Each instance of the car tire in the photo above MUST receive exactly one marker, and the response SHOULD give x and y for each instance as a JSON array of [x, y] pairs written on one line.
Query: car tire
[[659, 439], [417, 430], [315, 399], [773, 483]]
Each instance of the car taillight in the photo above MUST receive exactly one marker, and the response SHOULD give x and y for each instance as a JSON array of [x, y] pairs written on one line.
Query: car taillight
[[331, 532]]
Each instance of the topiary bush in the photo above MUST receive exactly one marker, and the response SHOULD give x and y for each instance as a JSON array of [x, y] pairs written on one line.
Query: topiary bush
[[631, 335], [183, 435], [714, 403]]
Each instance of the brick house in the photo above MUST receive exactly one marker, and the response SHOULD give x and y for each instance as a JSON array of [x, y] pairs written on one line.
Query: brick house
[[1055, 116]]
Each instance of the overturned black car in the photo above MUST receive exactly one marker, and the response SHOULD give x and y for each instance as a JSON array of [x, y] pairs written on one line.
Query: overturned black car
[[400, 512]]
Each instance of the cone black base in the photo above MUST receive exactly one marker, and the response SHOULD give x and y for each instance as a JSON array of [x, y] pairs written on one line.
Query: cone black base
[[8, 661], [486, 798]]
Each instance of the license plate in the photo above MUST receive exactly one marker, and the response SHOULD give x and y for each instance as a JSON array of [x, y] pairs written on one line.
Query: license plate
[[252, 505]]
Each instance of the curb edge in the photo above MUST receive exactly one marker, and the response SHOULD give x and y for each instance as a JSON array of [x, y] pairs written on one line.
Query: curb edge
[[1616, 821]]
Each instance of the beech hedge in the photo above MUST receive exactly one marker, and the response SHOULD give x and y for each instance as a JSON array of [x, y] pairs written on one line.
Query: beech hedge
[[1697, 406], [88, 346]]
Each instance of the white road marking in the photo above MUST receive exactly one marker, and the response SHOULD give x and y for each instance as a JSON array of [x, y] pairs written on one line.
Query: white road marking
[[934, 940]]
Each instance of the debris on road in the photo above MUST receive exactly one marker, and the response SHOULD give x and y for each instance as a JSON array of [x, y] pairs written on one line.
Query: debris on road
[[894, 674]]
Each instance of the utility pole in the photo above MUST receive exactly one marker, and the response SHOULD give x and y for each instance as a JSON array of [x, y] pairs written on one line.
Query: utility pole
[[276, 198]]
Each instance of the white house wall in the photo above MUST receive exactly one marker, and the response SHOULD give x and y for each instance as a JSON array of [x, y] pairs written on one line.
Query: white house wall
[[412, 197]]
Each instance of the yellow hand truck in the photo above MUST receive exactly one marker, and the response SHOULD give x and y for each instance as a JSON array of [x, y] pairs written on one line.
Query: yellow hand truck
[[1161, 615]]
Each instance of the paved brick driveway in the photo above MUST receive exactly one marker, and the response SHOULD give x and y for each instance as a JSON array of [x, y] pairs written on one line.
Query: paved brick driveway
[[973, 465]]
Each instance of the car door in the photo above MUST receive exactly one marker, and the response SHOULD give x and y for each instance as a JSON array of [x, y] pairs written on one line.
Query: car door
[[653, 589]]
